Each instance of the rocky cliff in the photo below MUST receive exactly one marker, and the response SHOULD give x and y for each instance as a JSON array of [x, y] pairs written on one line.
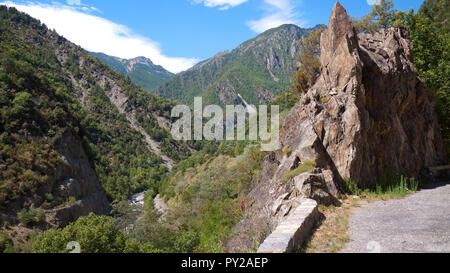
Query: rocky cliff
[[74, 178], [367, 112], [368, 109]]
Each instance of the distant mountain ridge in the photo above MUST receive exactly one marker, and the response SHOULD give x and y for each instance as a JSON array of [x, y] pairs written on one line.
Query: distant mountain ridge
[[141, 70], [258, 70]]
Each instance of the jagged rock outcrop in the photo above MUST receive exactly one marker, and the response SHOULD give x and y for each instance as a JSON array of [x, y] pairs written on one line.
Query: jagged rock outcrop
[[369, 109], [367, 112]]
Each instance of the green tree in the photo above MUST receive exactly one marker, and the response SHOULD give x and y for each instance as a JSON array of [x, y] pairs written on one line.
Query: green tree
[[383, 15], [95, 234], [431, 40], [438, 12], [186, 242], [309, 62]]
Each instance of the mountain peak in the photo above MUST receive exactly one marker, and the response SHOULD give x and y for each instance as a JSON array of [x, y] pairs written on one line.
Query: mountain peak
[[141, 70], [256, 71], [142, 60], [339, 26]]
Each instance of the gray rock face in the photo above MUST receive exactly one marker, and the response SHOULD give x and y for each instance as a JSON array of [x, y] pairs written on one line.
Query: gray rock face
[[82, 185], [74, 187], [369, 110]]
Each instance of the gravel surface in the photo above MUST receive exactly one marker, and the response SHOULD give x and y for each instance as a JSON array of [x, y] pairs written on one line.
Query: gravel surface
[[417, 223]]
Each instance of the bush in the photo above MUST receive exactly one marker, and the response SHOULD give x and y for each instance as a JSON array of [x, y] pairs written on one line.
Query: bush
[[49, 197], [350, 187], [186, 242], [26, 217], [5, 242], [287, 151], [395, 183], [41, 216], [95, 234]]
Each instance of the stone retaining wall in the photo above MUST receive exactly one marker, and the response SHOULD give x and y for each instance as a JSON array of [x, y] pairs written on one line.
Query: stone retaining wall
[[294, 231]]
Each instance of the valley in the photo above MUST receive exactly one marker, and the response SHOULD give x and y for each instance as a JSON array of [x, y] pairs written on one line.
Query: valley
[[86, 148]]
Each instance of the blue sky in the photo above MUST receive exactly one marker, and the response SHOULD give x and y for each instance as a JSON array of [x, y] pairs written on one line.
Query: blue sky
[[178, 33]]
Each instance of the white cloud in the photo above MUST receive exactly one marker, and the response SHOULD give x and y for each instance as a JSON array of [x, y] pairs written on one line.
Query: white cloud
[[94, 33], [221, 4], [278, 12], [74, 2], [373, 2]]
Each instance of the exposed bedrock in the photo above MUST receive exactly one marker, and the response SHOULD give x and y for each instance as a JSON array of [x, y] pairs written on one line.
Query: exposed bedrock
[[367, 112]]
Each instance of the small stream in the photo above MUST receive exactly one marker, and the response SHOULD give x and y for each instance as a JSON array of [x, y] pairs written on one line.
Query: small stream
[[138, 199], [159, 204]]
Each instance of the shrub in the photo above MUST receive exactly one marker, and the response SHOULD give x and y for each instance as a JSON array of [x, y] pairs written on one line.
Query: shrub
[[350, 187], [394, 183], [287, 151], [26, 217], [49, 197], [186, 242], [390, 183], [95, 234], [325, 99], [41, 216], [5, 242]]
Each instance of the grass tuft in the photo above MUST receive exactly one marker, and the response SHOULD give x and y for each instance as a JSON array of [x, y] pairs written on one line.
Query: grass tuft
[[392, 184], [306, 166]]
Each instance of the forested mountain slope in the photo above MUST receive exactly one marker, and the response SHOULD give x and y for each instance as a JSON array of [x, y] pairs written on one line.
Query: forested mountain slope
[[72, 131], [258, 69]]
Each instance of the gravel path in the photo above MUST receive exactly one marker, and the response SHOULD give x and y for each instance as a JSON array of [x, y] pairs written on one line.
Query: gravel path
[[417, 223]]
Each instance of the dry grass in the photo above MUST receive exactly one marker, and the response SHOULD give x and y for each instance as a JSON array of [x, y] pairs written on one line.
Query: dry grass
[[331, 235]]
